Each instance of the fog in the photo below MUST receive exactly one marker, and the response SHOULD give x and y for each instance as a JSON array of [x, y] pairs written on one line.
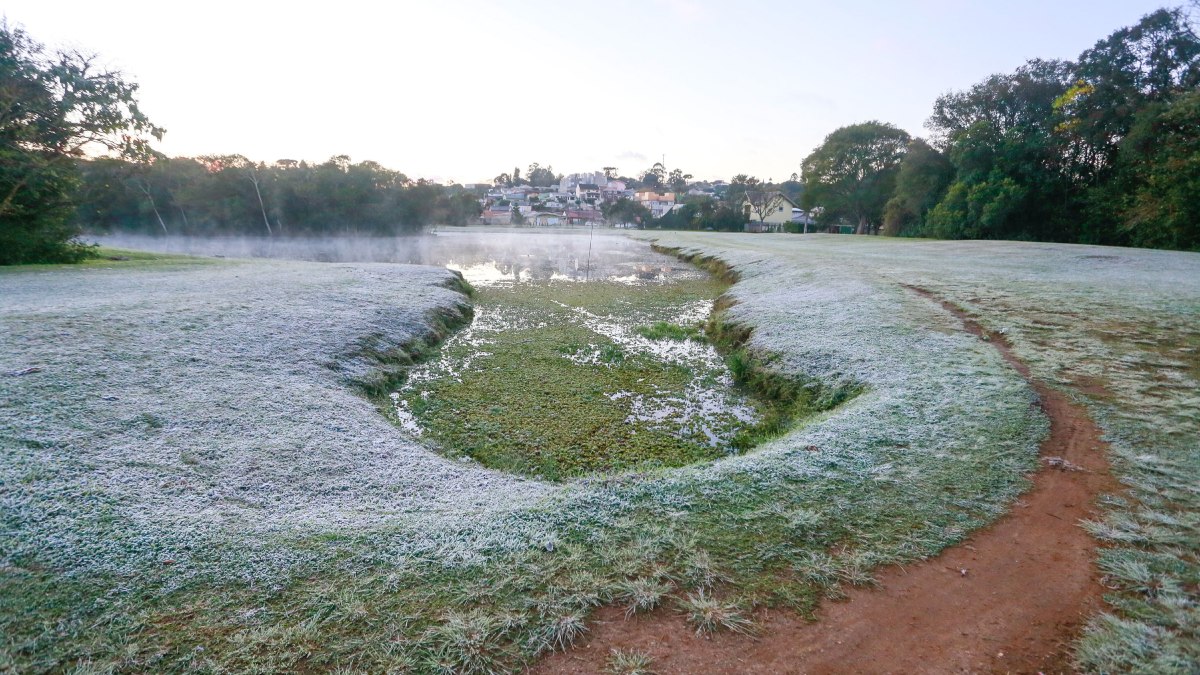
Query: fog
[[491, 255]]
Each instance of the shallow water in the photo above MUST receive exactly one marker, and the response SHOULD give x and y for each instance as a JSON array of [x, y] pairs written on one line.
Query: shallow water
[[484, 254]]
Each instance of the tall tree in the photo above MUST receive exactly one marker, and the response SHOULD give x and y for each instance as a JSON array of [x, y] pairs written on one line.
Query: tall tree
[[678, 180], [53, 107], [539, 176], [852, 173], [1157, 189], [1149, 62]]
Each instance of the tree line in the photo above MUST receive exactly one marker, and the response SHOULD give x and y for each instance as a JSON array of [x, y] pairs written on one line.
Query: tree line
[[229, 194], [1103, 150]]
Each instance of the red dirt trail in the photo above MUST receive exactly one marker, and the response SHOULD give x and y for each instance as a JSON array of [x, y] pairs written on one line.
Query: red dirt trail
[[1029, 584]]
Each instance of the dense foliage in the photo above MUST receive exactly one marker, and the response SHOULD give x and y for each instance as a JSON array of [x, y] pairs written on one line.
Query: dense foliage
[[53, 108], [1102, 150], [854, 171], [230, 194]]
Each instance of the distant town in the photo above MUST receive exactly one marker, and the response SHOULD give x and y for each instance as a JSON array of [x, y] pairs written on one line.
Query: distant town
[[656, 200]]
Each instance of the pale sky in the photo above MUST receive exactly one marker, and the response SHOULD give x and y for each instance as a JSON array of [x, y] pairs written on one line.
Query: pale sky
[[466, 89]]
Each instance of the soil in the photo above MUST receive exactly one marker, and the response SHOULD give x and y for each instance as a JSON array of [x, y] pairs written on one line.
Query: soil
[[1011, 599]]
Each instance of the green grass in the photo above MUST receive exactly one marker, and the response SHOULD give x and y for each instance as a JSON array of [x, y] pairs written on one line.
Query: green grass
[[103, 257], [662, 330], [524, 408], [1117, 329], [709, 615]]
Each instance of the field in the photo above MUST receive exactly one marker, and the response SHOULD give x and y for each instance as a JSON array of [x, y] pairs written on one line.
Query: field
[[197, 475]]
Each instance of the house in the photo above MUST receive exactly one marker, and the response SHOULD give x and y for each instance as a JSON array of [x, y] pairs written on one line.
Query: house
[[612, 191], [569, 182], [584, 216], [659, 203], [496, 214], [804, 218], [766, 211], [588, 193], [545, 219]]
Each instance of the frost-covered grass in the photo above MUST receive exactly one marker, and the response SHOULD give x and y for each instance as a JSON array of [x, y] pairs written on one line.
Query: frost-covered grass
[[1118, 329], [628, 662], [194, 479]]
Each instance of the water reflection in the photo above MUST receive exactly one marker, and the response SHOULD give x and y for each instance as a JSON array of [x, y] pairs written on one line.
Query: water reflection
[[483, 255]]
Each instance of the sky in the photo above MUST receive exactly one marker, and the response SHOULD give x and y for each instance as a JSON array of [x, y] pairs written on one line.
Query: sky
[[463, 90]]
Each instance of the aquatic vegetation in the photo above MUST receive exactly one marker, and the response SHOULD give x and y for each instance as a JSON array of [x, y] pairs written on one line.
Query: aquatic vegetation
[[662, 330], [581, 389]]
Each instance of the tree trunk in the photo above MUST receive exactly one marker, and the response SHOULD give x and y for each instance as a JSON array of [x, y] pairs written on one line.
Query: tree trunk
[[862, 225], [154, 207], [254, 180]]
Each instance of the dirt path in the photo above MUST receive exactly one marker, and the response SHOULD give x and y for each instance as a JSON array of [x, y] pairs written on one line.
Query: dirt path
[[1010, 599]]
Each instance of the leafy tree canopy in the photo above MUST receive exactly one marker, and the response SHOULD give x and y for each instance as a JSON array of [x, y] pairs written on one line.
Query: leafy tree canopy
[[852, 173], [54, 108]]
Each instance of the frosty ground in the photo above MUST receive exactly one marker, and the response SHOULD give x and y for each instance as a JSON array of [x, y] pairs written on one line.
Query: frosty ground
[[194, 478]]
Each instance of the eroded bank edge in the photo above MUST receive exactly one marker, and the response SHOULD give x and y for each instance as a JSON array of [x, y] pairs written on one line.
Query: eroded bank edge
[[792, 397], [388, 361]]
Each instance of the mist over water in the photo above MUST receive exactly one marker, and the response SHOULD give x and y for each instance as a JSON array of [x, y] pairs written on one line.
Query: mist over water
[[484, 255]]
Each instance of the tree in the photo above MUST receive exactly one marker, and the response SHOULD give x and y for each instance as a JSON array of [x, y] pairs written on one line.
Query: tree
[[1013, 176], [852, 173], [922, 180], [541, 177], [1131, 68], [624, 211], [53, 107], [678, 180], [655, 176], [1158, 188], [792, 188]]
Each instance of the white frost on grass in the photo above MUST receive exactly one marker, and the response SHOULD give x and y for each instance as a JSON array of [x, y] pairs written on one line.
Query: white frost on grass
[[177, 406], [1116, 328], [192, 414]]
